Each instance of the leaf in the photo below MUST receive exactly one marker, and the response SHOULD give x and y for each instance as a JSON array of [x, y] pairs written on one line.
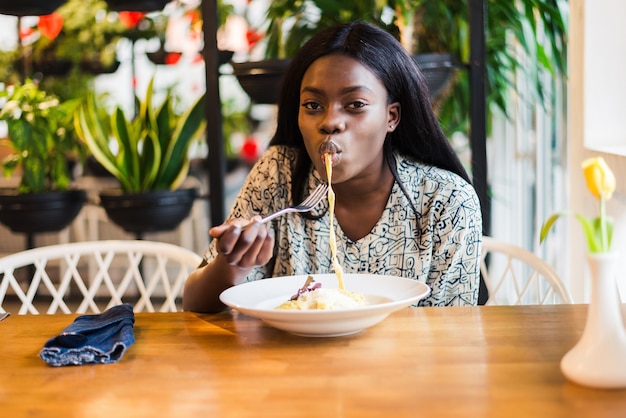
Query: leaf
[[189, 127], [590, 230], [182, 175], [145, 106], [151, 149], [609, 229], [163, 122], [597, 233], [545, 229], [128, 157], [593, 243], [150, 161], [93, 134]]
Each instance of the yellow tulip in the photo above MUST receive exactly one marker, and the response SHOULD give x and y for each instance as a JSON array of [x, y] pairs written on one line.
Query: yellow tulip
[[598, 230], [599, 177]]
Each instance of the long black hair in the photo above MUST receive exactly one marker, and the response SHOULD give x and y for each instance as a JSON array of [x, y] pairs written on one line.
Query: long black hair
[[418, 136]]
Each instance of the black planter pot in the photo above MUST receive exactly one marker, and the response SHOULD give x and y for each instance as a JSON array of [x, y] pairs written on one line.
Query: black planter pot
[[261, 80], [438, 69], [159, 57], [29, 7], [40, 212], [52, 67], [154, 211], [137, 5], [97, 67]]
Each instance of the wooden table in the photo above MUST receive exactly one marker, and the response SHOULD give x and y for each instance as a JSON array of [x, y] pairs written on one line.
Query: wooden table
[[430, 362]]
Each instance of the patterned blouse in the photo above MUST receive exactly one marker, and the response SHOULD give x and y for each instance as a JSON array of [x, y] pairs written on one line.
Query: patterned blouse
[[438, 246]]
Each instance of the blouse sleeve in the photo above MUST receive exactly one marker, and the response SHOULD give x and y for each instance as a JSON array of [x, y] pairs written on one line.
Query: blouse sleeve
[[265, 190], [454, 272]]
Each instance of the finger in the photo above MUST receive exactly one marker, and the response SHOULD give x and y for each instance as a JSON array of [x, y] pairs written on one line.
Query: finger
[[228, 240], [251, 257], [267, 250], [254, 220], [246, 240], [219, 230]]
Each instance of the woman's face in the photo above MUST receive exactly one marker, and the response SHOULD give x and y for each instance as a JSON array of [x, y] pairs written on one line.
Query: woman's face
[[343, 101]]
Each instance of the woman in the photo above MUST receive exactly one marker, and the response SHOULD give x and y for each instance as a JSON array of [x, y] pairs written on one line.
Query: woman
[[404, 203]]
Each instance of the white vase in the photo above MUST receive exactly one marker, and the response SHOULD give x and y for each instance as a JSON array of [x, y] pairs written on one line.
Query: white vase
[[599, 358]]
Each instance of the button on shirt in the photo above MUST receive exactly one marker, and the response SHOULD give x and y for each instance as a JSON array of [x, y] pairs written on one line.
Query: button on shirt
[[434, 237]]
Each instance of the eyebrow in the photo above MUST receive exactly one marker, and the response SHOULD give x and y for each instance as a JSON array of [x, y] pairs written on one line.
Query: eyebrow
[[346, 90]]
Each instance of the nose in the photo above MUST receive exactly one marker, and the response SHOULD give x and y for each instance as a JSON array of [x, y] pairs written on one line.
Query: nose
[[332, 123]]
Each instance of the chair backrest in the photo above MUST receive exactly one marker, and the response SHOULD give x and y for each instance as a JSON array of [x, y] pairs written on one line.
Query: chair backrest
[[92, 276], [515, 276]]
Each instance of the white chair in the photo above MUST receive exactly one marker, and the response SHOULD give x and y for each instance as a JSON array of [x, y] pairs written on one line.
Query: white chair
[[515, 276], [95, 275]]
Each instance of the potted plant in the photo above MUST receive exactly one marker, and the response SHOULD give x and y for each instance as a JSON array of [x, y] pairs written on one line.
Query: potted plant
[[147, 154], [88, 33], [289, 24], [535, 27], [180, 30], [65, 49], [43, 144], [436, 33]]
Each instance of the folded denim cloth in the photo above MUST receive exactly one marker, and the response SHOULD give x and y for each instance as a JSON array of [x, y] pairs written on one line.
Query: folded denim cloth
[[99, 338]]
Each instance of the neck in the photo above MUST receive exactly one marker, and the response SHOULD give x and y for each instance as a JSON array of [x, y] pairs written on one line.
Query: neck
[[368, 190]]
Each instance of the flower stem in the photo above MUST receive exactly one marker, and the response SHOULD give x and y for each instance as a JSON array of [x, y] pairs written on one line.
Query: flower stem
[[603, 232]]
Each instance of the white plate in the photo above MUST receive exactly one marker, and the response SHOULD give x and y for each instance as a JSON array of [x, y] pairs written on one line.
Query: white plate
[[384, 294]]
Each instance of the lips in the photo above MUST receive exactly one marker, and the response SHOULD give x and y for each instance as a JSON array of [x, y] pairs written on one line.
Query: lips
[[330, 147]]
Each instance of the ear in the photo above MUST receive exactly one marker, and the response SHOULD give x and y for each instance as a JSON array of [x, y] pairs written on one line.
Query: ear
[[393, 116]]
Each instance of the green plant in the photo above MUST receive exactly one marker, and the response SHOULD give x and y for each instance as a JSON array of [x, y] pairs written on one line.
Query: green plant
[[80, 38], [535, 28], [90, 32], [148, 152], [522, 37], [42, 136], [293, 22]]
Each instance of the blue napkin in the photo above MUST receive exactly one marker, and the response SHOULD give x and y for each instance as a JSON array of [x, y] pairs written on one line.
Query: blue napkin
[[100, 338]]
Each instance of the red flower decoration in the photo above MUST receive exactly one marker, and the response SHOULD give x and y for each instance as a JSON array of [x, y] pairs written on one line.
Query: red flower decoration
[[26, 32], [50, 25], [253, 37], [130, 19], [172, 58], [193, 15], [249, 150]]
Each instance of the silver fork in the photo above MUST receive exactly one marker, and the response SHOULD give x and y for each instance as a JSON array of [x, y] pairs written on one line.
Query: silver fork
[[307, 204]]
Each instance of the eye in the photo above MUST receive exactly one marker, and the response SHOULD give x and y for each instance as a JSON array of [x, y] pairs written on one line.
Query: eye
[[356, 105], [310, 105]]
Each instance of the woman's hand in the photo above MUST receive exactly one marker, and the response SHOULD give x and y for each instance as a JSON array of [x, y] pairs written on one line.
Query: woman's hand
[[244, 248]]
